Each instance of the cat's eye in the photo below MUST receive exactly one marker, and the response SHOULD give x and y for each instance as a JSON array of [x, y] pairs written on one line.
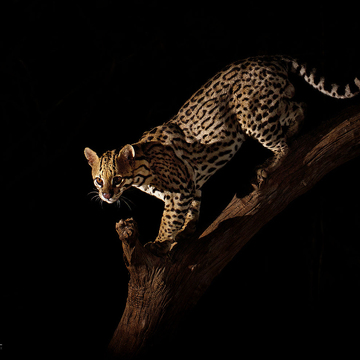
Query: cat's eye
[[99, 181], [117, 180]]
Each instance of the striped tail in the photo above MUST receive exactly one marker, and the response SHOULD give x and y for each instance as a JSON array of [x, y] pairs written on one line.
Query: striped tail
[[334, 90]]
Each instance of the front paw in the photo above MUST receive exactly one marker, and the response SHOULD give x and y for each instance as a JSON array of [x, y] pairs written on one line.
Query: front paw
[[159, 248]]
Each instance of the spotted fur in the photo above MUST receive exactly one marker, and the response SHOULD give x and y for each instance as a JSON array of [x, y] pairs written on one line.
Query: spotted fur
[[249, 98]]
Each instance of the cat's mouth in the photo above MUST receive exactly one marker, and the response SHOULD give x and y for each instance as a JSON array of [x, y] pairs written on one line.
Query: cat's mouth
[[110, 198]]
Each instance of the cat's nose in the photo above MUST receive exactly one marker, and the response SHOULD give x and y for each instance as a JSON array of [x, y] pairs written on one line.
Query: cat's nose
[[107, 196]]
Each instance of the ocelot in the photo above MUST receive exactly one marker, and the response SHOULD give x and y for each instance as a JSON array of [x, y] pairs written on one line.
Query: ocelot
[[249, 98]]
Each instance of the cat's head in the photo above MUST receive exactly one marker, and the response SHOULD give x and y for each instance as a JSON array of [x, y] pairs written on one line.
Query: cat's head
[[112, 172]]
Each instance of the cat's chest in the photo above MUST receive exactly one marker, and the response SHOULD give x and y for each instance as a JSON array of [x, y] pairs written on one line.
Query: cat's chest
[[151, 190]]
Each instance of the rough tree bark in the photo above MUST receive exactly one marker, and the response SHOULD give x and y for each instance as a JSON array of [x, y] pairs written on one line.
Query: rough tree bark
[[161, 290]]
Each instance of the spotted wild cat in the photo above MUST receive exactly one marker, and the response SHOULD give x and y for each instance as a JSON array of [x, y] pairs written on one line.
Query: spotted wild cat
[[249, 98]]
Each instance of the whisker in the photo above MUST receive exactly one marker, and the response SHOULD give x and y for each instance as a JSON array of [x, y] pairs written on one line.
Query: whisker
[[129, 201], [96, 197], [100, 202], [126, 201], [118, 203]]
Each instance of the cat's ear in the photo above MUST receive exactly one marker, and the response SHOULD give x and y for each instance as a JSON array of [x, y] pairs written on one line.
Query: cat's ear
[[91, 156], [127, 156]]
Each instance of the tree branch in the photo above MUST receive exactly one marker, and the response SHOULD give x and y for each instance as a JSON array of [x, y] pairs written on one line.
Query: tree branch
[[161, 290]]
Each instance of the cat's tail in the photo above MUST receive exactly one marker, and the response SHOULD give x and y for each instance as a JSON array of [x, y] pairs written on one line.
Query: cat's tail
[[320, 83]]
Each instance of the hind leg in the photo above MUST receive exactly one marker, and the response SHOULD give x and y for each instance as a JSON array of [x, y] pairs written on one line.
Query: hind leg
[[292, 117], [275, 138], [280, 149], [269, 133]]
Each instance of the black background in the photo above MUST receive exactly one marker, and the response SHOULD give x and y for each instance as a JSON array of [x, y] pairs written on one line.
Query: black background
[[99, 74]]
